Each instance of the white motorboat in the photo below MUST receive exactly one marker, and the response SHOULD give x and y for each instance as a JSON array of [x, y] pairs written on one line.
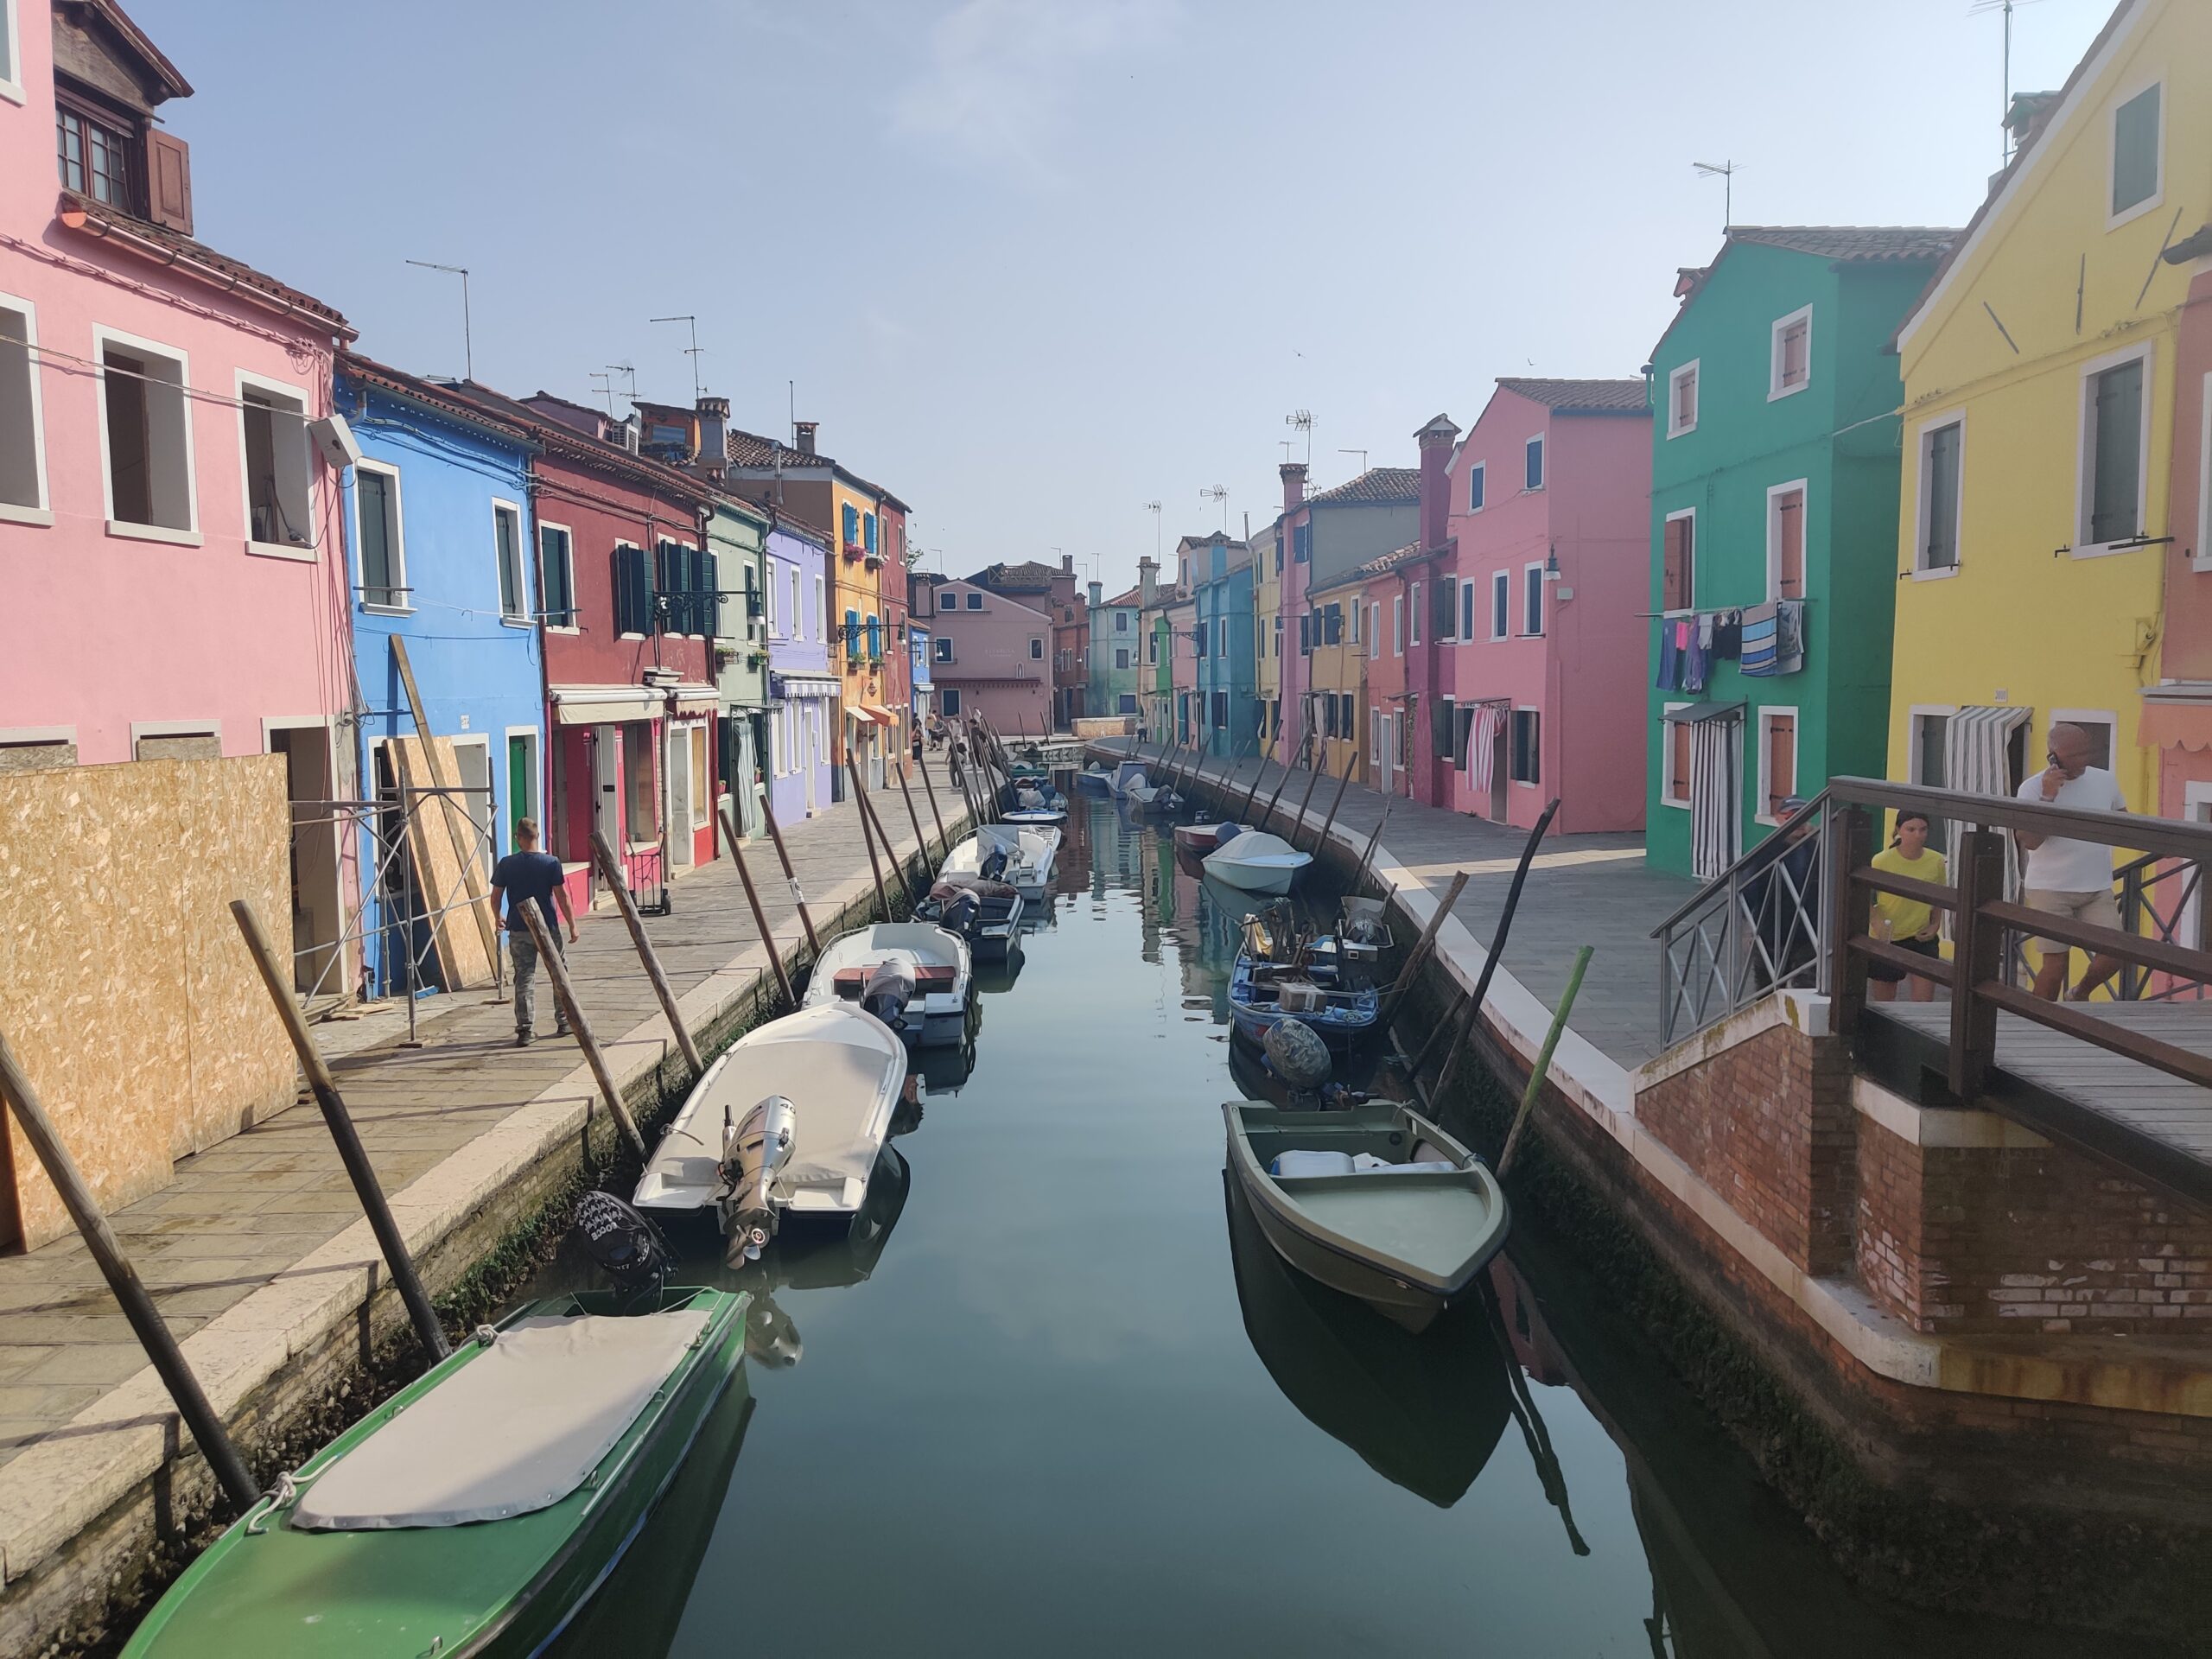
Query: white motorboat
[[1257, 862], [1127, 773], [1153, 797], [914, 976], [824, 1082], [1026, 852]]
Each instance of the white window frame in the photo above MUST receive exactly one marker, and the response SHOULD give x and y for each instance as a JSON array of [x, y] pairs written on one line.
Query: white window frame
[[1913, 714], [399, 585], [522, 523], [1536, 782], [575, 608], [11, 82], [40, 512], [1689, 513], [2104, 717], [1413, 614], [821, 609], [1476, 474], [1775, 389], [1774, 495], [1532, 587], [620, 544], [103, 337], [1467, 635], [244, 380], [1541, 446], [2201, 559], [536, 803], [1501, 604], [1667, 781], [1674, 377], [1759, 814], [1922, 434], [2085, 440], [2158, 196], [1397, 625]]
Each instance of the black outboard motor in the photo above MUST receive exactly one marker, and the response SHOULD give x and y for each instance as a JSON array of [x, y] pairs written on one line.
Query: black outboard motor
[[993, 867], [886, 991], [623, 1245], [959, 909]]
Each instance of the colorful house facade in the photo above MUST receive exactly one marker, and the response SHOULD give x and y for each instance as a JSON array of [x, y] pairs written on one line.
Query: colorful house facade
[[1335, 651], [1774, 495], [1266, 633], [2041, 470], [1116, 650], [2177, 710], [803, 683], [1330, 534], [989, 655], [1223, 639], [1549, 522]]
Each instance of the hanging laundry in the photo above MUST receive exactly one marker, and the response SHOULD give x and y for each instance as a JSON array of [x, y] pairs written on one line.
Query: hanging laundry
[[1789, 635], [1704, 632], [1727, 635], [1696, 664], [1670, 658], [1758, 641]]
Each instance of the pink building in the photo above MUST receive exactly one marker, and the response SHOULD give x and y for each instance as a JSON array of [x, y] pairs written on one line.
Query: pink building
[[170, 545], [989, 655], [1550, 509]]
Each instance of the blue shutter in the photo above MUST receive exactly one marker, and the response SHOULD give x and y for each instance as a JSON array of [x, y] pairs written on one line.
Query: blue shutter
[[868, 531], [710, 584], [852, 633], [849, 525], [875, 637]]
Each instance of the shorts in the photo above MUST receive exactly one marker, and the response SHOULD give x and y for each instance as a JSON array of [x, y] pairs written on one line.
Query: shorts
[[1889, 974], [2099, 907]]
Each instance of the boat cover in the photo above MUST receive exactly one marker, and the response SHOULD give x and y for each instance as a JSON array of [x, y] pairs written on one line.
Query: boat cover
[[515, 1430]]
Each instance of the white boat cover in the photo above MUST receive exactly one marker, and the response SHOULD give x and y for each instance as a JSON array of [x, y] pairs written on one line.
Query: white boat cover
[[913, 943], [515, 1430], [1256, 853], [1028, 848]]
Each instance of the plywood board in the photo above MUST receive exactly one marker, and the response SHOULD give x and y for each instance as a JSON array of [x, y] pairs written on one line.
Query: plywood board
[[439, 826], [124, 988]]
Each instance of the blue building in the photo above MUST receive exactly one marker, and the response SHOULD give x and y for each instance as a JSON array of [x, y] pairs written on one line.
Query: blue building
[[803, 683], [1219, 574], [443, 552], [917, 654]]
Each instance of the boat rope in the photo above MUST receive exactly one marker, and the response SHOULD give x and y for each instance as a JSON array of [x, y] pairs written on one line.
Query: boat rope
[[286, 1489]]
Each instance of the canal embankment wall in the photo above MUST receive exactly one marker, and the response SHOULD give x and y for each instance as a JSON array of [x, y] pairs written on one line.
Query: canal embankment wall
[[95, 1523], [1830, 1266]]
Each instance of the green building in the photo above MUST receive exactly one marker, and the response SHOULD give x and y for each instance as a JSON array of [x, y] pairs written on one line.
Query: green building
[[1774, 514]]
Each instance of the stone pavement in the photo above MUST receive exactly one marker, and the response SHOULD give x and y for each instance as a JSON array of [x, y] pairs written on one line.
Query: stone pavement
[[1591, 889], [250, 1210]]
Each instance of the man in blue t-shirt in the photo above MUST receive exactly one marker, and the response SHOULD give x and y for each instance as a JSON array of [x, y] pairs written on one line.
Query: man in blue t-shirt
[[528, 876]]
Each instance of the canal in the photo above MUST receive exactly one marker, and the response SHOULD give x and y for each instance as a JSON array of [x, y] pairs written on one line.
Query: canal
[[1056, 1394]]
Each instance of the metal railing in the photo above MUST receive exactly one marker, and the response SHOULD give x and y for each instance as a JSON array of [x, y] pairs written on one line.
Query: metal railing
[[2160, 898]]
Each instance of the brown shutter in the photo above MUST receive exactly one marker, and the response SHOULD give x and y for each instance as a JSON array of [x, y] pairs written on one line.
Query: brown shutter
[[1790, 537], [1674, 566], [168, 181]]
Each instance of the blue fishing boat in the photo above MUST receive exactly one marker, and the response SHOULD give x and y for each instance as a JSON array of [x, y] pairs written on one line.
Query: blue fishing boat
[[1282, 974]]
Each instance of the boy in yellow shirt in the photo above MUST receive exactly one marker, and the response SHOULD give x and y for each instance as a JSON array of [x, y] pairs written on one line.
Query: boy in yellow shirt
[[1912, 924]]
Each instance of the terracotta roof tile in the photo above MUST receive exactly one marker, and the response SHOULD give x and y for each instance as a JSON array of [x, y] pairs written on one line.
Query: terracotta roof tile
[[1383, 484], [100, 219], [1582, 396], [1852, 244]]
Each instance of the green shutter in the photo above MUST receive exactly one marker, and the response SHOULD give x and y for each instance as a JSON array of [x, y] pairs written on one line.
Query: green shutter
[[2114, 514], [2135, 151]]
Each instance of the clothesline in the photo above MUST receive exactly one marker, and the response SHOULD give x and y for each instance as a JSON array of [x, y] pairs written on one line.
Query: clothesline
[[1766, 640]]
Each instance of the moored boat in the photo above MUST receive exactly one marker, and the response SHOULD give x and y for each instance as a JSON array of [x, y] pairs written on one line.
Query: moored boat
[[1280, 974], [1364, 943], [1199, 838], [1125, 774], [1020, 854], [987, 914], [1257, 862], [1375, 1201], [914, 976]]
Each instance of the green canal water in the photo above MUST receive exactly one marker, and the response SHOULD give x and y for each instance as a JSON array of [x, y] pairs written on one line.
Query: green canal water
[[1056, 1396]]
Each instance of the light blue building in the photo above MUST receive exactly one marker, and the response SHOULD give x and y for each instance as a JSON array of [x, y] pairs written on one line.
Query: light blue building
[[1220, 572], [917, 655], [802, 686], [443, 553]]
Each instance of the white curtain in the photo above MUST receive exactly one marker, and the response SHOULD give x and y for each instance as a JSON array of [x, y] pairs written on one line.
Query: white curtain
[[1975, 744], [1713, 819], [1481, 758]]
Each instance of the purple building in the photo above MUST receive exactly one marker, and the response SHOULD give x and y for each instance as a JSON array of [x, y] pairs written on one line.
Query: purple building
[[802, 686]]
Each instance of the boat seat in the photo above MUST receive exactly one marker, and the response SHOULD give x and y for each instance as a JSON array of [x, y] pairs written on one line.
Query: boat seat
[[928, 976], [1296, 1163]]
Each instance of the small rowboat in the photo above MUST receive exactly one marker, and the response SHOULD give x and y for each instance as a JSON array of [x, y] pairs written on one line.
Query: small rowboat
[[1198, 838], [864, 967], [1375, 1201], [987, 914], [1264, 991], [1257, 862], [477, 1510], [1125, 774], [1032, 800], [1029, 851], [1097, 778]]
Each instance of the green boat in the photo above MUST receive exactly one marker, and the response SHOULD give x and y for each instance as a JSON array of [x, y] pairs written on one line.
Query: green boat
[[1375, 1201], [478, 1508]]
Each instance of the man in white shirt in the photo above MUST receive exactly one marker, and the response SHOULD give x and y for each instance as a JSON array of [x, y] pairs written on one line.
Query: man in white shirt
[[2066, 877]]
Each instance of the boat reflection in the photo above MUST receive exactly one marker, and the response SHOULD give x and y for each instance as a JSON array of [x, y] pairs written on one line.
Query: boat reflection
[[942, 1070], [1425, 1413], [999, 976]]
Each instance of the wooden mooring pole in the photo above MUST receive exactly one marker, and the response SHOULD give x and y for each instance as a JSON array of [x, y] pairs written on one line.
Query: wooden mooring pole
[[875, 869], [1472, 1012], [1282, 783], [1344, 783], [1313, 777], [943, 842], [146, 1322], [791, 876], [603, 856], [921, 842], [890, 857], [359, 1169], [760, 918], [1373, 840], [1543, 1066], [557, 970], [1422, 946]]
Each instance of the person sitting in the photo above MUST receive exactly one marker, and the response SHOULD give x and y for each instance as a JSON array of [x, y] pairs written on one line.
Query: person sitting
[[1909, 924]]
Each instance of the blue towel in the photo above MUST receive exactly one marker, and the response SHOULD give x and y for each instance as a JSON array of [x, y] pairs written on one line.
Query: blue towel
[[1759, 642], [1670, 659]]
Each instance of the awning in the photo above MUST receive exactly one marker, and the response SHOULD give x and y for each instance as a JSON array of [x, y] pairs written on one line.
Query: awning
[[1697, 713], [2177, 717], [696, 699], [592, 705], [881, 715], [781, 685]]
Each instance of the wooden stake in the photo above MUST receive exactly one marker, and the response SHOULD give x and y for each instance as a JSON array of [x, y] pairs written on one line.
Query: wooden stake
[[1360, 874], [921, 842], [1422, 946], [1251, 794], [943, 842], [146, 1322], [557, 970], [1268, 816], [1473, 1010], [890, 857], [623, 902], [1343, 784], [1543, 1066], [479, 903], [760, 918], [791, 876], [1313, 777], [859, 799]]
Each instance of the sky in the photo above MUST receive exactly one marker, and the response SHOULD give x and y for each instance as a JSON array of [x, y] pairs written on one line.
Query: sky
[[1035, 263]]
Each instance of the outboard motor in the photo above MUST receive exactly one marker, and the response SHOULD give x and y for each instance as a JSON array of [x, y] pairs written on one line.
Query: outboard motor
[[753, 1153], [1026, 799], [622, 1244], [993, 868], [886, 991], [958, 908], [1297, 1054]]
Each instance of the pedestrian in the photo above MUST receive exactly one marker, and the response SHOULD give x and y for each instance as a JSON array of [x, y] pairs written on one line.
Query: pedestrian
[[527, 876], [2068, 877], [1909, 924]]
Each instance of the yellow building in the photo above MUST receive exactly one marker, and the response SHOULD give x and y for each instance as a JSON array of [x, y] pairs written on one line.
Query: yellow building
[[2039, 389], [1333, 636], [1266, 633]]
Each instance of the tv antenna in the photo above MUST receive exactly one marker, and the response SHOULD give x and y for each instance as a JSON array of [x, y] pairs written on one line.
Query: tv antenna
[[467, 333], [1362, 454], [1982, 9], [1300, 420], [1726, 172], [606, 388], [1219, 492], [691, 350], [1152, 507], [630, 370]]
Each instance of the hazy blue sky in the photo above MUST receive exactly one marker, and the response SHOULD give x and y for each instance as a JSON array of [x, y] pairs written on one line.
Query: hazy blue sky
[[1034, 263]]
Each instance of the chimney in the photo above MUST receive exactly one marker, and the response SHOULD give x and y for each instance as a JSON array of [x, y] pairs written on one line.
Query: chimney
[[713, 435], [1148, 582], [1097, 594], [1294, 485], [805, 430], [1067, 564], [1435, 439]]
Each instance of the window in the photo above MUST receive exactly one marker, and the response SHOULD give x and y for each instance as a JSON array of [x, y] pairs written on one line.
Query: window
[[1221, 636], [867, 533], [1791, 367], [875, 640], [1501, 604], [1778, 762], [974, 601], [180, 741], [1533, 466], [2136, 136], [1121, 656], [1374, 628], [1036, 649], [1278, 647], [1941, 448], [1447, 610], [948, 699], [821, 607], [2113, 419], [11, 76], [147, 433], [1221, 708], [22, 436], [93, 158], [37, 748], [1301, 543], [1681, 400], [1414, 608], [1524, 763], [703, 782], [1332, 625], [848, 525], [1120, 621], [1306, 634], [2098, 723], [1678, 561], [1466, 611], [273, 429], [1347, 721], [1478, 484], [1785, 541], [1397, 625], [633, 591], [1675, 758], [381, 537], [1532, 601], [1127, 704], [1374, 735], [944, 648]]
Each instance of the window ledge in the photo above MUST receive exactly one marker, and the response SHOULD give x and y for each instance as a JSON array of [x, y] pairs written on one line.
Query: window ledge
[[516, 622], [1680, 431], [13, 91], [1679, 806], [387, 610], [2109, 550], [1936, 572], [2157, 198], [1778, 393], [40, 516], [571, 629], [280, 550], [130, 532]]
